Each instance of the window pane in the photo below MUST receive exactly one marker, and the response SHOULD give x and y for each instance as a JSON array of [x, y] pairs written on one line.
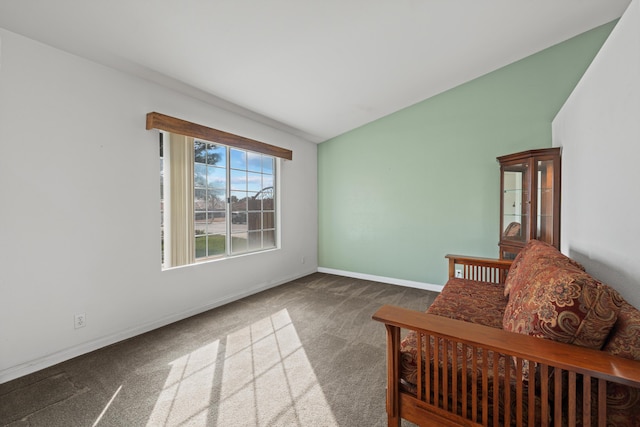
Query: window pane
[[200, 220], [238, 200], [201, 246], [238, 211], [217, 222], [200, 199], [239, 243], [254, 181], [217, 200], [200, 223], [267, 181], [269, 239], [255, 221], [268, 220], [199, 152], [254, 162], [199, 175], [202, 226], [216, 177], [238, 159], [255, 241], [216, 245], [254, 202], [267, 165], [217, 155], [238, 221], [209, 154], [267, 202], [238, 180]]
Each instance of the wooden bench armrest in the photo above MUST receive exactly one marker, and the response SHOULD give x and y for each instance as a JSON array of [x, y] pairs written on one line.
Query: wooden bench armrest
[[479, 269], [573, 358]]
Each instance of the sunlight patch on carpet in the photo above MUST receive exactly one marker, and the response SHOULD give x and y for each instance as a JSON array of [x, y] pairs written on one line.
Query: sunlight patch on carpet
[[268, 379], [260, 376], [107, 406], [186, 395]]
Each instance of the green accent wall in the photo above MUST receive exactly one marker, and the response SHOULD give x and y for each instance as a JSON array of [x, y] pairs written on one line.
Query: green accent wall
[[398, 194]]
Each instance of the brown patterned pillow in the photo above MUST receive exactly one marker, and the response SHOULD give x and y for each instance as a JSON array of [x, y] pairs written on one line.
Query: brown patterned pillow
[[563, 303], [623, 402], [535, 256], [515, 275], [625, 336], [623, 405]]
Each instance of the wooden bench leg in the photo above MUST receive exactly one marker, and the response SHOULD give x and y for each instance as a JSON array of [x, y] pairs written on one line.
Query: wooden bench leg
[[393, 376]]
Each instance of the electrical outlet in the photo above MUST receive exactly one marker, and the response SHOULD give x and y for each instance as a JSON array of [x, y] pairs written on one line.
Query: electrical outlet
[[459, 274], [79, 321], [303, 260]]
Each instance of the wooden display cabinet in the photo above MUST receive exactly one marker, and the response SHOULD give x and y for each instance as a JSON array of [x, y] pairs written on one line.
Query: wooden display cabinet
[[529, 199]]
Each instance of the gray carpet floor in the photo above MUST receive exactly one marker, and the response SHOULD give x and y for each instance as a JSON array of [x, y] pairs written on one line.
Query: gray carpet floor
[[305, 353]]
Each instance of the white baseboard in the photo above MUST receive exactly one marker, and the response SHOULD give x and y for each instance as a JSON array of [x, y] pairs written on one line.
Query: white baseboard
[[31, 366], [382, 279], [43, 362]]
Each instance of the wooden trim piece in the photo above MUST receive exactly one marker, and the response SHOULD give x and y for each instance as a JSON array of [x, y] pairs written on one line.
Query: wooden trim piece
[[183, 127], [425, 413], [555, 151], [479, 269]]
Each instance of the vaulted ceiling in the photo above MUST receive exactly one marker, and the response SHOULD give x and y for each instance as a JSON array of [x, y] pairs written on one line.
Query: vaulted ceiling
[[315, 68]]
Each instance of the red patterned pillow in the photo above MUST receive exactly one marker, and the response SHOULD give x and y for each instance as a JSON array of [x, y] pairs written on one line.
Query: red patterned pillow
[[565, 304], [535, 256]]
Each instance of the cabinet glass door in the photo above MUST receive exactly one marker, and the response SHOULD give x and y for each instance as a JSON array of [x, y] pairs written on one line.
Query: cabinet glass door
[[544, 229], [515, 196]]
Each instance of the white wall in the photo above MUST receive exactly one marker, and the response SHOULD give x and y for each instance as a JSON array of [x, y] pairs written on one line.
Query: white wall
[[79, 209], [599, 130]]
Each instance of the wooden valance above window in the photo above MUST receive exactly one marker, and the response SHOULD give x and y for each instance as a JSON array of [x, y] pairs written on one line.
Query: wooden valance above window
[[182, 127]]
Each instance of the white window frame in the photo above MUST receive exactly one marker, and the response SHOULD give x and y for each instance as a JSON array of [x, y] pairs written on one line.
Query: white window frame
[[185, 239]]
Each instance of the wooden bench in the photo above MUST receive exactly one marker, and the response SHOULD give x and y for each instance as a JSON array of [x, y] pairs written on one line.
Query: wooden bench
[[571, 386]]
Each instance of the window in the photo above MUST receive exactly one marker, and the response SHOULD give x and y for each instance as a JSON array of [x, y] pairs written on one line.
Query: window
[[231, 194], [217, 191]]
